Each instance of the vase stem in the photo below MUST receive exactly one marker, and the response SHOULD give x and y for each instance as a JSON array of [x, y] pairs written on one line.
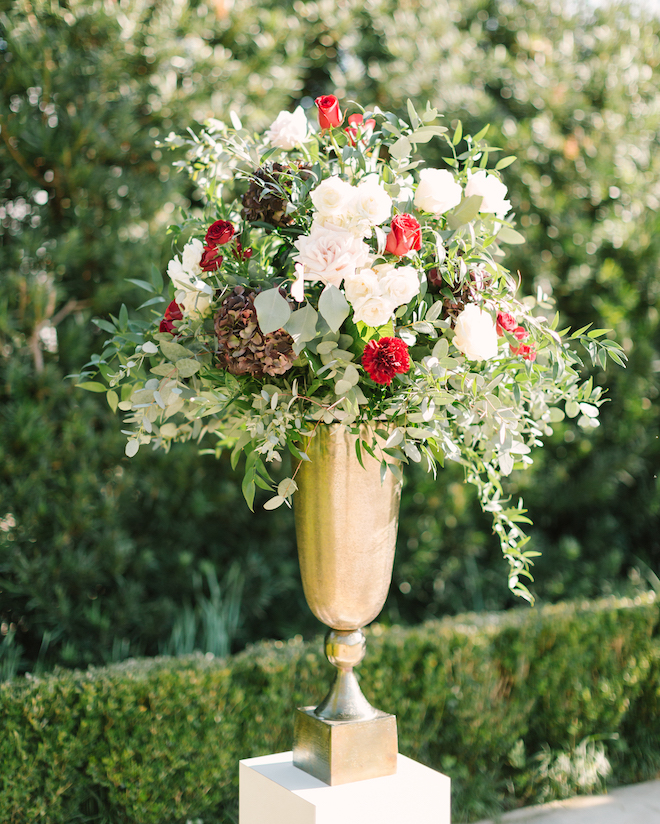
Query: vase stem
[[345, 701]]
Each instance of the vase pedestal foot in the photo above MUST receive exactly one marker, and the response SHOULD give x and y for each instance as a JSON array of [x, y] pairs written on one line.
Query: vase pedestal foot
[[339, 752]]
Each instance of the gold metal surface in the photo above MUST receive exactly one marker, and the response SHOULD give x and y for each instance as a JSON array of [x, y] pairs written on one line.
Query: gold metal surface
[[346, 524], [345, 701], [340, 752]]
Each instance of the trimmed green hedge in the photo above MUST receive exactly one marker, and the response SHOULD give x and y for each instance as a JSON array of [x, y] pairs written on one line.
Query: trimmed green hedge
[[492, 700]]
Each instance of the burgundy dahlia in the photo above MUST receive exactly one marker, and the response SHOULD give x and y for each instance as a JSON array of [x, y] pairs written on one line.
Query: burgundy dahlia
[[385, 358]]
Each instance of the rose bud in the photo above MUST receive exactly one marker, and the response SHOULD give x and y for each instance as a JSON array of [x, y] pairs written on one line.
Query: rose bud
[[219, 233], [405, 235], [505, 323], [434, 277], [241, 253], [172, 313], [210, 260], [527, 350], [357, 121], [330, 115]]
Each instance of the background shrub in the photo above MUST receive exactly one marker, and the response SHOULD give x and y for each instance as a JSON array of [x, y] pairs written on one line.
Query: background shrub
[[496, 701], [98, 556]]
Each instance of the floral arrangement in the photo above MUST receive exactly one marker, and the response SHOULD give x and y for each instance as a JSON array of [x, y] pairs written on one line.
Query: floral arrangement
[[336, 279]]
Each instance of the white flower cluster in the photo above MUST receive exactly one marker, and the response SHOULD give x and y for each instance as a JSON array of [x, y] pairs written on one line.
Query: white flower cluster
[[334, 252], [438, 192], [193, 295], [376, 292]]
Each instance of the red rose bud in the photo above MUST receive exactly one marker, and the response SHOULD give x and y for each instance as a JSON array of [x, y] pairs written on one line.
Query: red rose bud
[[211, 260], [405, 235], [357, 121], [385, 358], [434, 278], [527, 350], [505, 323], [219, 233], [172, 313], [241, 253], [330, 115], [520, 333]]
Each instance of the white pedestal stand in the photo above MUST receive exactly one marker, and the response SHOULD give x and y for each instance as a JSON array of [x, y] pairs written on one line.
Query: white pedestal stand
[[273, 791]]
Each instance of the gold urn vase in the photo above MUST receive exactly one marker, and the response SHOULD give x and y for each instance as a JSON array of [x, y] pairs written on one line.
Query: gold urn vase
[[346, 525]]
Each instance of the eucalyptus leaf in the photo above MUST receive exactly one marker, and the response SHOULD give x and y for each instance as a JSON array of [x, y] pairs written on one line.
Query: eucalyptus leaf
[[132, 447], [174, 351], [333, 307], [466, 211], [508, 235], [91, 386], [187, 367], [302, 326], [273, 310], [401, 148]]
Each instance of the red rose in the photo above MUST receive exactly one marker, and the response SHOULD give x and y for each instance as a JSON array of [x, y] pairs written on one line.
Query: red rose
[[385, 358], [219, 233], [211, 260], [173, 312], [528, 351], [357, 121], [329, 112], [406, 234], [505, 323]]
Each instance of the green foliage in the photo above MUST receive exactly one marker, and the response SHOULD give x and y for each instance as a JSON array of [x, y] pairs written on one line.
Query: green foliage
[[508, 705], [103, 553]]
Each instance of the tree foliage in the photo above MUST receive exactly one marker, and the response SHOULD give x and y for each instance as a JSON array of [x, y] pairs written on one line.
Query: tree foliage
[[99, 560]]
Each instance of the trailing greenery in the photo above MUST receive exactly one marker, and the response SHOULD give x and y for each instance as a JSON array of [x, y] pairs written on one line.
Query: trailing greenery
[[98, 559], [515, 707]]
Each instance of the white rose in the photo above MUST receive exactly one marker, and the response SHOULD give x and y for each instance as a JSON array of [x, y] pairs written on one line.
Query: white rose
[[180, 278], [375, 311], [191, 257], [333, 196], [288, 130], [331, 254], [362, 284], [476, 336], [437, 191], [193, 303], [491, 189], [399, 285], [371, 202]]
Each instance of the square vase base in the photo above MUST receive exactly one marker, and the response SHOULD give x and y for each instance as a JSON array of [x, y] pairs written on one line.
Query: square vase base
[[273, 791], [338, 752]]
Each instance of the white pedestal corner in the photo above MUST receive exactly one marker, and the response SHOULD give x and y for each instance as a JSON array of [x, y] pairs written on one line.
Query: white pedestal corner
[[273, 791]]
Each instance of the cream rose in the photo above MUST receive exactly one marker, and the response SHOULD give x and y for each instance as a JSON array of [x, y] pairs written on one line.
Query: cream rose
[[375, 311], [192, 255], [288, 130], [476, 336], [183, 271], [400, 284], [331, 254], [333, 197], [491, 189], [371, 202], [362, 284], [437, 191]]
